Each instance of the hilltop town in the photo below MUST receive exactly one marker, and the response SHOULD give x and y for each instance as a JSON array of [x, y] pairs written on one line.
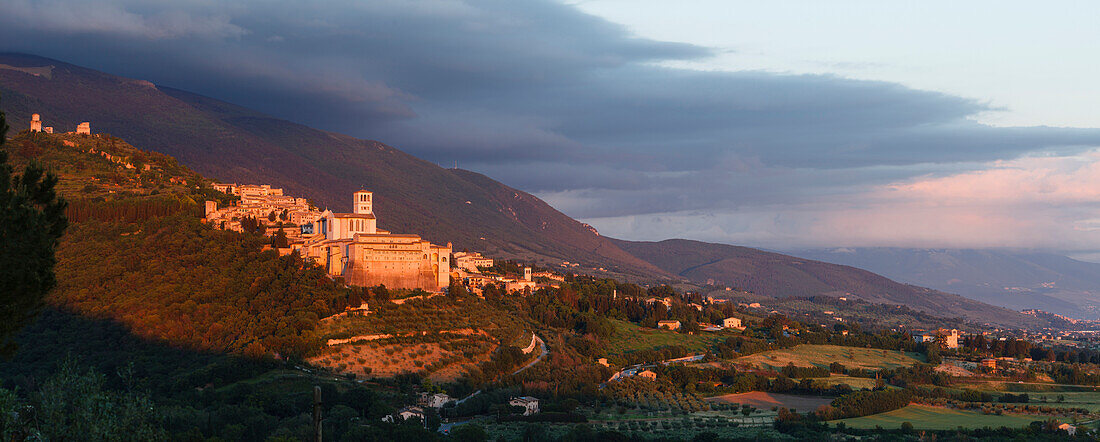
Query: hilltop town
[[453, 338], [352, 247]]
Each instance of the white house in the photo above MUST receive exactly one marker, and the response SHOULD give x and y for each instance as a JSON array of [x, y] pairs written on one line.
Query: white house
[[407, 413], [530, 405], [437, 400], [731, 323], [671, 325]]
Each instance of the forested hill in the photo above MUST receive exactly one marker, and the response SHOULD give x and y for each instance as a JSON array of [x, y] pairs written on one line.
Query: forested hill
[[230, 143], [778, 275]]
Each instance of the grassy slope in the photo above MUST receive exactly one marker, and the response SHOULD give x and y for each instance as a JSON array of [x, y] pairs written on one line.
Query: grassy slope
[[231, 143], [822, 355], [629, 337], [765, 400], [924, 417], [460, 333], [780, 275]]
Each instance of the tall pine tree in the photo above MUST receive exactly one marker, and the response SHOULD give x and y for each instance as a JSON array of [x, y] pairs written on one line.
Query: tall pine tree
[[32, 219]]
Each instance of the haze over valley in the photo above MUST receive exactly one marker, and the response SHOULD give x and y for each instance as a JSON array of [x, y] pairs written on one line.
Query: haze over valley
[[549, 220]]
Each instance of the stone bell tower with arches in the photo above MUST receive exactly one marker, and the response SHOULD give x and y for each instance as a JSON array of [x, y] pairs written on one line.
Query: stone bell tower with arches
[[363, 203]]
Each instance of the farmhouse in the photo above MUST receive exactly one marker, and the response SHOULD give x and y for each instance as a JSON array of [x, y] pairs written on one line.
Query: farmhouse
[[1072, 430], [950, 337], [648, 374], [437, 400], [407, 413], [530, 405], [731, 323], [671, 325]]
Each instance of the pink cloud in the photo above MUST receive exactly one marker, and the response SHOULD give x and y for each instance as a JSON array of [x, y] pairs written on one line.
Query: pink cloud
[[1046, 202]]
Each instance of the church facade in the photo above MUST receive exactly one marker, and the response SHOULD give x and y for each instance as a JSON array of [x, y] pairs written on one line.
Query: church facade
[[350, 245]]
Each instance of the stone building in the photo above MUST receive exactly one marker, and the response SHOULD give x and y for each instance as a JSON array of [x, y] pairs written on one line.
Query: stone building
[[669, 324], [470, 261], [530, 404], [84, 128], [352, 246], [950, 337], [36, 123]]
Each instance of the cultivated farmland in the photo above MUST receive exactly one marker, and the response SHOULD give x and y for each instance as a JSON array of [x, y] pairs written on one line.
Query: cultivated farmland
[[924, 417], [822, 355]]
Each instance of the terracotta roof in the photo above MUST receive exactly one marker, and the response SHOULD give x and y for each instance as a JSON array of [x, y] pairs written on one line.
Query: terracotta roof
[[354, 215]]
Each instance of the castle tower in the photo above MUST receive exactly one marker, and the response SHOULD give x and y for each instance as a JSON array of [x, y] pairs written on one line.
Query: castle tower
[[84, 128], [36, 123], [363, 203]]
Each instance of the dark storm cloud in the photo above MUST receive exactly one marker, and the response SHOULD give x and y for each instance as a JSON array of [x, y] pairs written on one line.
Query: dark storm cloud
[[538, 95]]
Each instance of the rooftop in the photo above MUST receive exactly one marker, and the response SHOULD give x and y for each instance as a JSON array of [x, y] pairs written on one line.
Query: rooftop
[[354, 215]]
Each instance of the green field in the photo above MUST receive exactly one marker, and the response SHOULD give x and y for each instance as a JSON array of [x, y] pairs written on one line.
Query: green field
[[822, 355], [1073, 399], [924, 417], [675, 429], [629, 337], [855, 383]]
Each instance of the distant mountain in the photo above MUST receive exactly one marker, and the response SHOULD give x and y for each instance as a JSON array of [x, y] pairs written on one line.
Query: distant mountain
[[779, 275], [234, 144], [1017, 280]]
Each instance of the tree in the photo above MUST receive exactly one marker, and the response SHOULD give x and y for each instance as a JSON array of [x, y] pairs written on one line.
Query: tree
[[279, 240], [469, 433], [32, 219]]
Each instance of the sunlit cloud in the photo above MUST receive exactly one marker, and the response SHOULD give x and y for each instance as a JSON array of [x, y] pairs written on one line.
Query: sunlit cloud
[[595, 119]]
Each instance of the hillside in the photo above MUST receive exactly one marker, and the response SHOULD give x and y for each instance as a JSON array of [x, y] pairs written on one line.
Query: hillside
[[1017, 280], [136, 253], [233, 144], [778, 275]]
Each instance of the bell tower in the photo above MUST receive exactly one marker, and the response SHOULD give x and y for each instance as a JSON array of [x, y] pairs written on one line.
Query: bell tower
[[363, 203]]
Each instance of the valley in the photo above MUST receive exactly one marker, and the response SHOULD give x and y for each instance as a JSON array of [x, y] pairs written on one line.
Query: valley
[[224, 329]]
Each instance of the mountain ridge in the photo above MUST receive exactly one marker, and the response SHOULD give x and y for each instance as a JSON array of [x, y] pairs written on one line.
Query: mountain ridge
[[232, 143], [1014, 279], [778, 275], [235, 144]]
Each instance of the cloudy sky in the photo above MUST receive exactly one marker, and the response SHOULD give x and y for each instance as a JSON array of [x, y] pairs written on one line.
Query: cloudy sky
[[773, 124]]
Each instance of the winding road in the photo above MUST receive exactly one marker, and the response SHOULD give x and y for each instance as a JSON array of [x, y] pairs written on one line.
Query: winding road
[[536, 361]]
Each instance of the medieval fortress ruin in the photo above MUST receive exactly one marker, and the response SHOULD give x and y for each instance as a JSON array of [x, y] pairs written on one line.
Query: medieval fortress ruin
[[84, 128]]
